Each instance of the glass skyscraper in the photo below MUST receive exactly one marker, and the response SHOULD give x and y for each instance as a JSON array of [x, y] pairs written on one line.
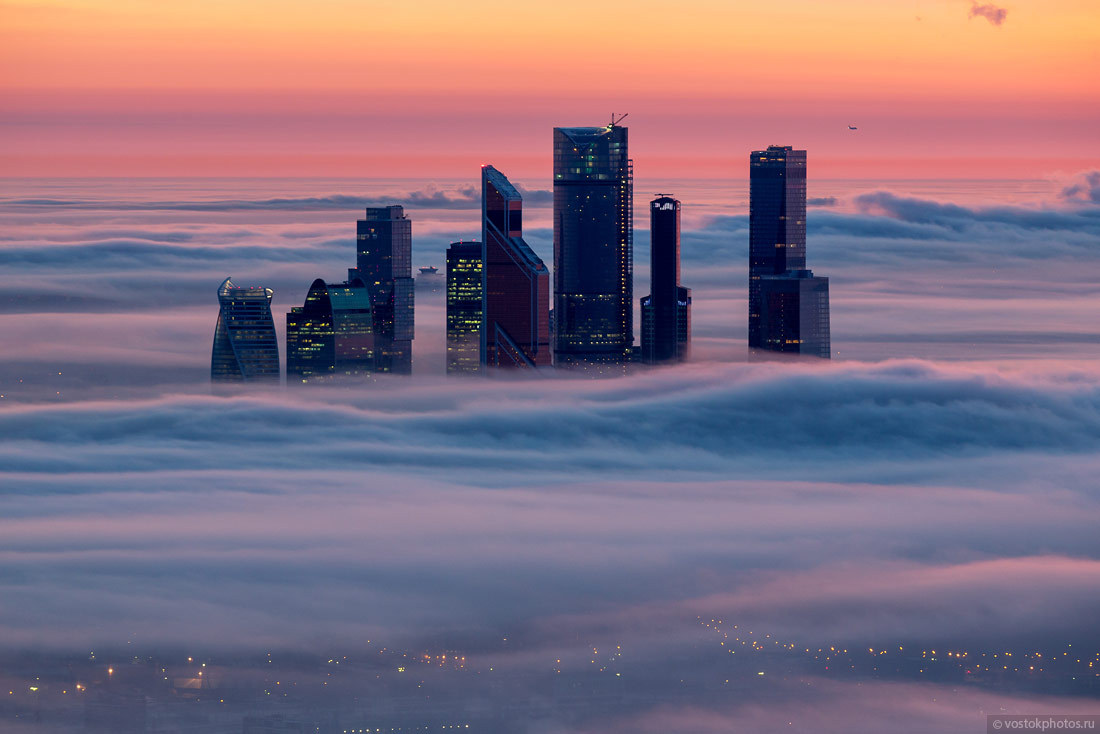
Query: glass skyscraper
[[666, 311], [516, 284], [331, 335], [384, 263], [794, 314], [245, 346], [464, 307], [593, 246], [788, 306], [777, 221]]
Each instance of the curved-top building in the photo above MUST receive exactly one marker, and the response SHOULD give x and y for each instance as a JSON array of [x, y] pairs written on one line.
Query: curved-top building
[[332, 334], [245, 345]]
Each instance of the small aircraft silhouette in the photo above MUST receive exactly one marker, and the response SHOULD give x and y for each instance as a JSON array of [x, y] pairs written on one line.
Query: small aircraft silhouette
[[853, 127]]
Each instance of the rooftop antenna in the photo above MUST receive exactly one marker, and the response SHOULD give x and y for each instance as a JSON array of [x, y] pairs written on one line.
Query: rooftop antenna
[[615, 122]]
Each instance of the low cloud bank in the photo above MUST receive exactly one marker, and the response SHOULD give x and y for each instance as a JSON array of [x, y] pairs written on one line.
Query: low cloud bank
[[825, 502], [1085, 188], [466, 197]]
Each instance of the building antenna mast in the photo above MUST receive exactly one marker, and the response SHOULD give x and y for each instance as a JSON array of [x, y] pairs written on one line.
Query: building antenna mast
[[615, 122]]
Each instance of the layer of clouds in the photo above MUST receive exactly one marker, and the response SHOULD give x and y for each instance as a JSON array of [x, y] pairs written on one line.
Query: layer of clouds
[[464, 197], [862, 503], [885, 226], [865, 501], [1085, 188]]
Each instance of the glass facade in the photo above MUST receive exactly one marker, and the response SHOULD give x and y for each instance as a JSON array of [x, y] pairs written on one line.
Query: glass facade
[[683, 323], [310, 346], [245, 346], [352, 327], [666, 318], [788, 306], [464, 307], [777, 222], [593, 246], [384, 263], [516, 284], [332, 334], [795, 313]]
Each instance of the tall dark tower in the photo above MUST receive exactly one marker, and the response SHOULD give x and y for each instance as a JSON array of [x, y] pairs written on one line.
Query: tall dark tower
[[593, 246], [777, 221], [666, 311], [464, 303], [516, 322], [245, 346], [384, 263], [788, 305]]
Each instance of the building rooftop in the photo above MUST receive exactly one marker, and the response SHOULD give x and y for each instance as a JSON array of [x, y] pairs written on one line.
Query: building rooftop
[[585, 135], [229, 289], [383, 213], [533, 261], [501, 183]]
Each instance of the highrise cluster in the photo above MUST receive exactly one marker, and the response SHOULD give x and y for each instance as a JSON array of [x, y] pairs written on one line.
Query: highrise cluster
[[498, 293]]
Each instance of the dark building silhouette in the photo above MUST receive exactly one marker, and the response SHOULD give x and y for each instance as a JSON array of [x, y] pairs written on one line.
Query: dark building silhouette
[[515, 282], [332, 334], [464, 307], [593, 246], [778, 278], [245, 346], [777, 221], [794, 314], [666, 311], [384, 263]]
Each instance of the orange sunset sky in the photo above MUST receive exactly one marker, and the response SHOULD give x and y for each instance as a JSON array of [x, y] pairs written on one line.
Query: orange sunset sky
[[938, 88]]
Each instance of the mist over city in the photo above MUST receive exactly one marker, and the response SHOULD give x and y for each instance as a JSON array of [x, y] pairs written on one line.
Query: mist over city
[[420, 417]]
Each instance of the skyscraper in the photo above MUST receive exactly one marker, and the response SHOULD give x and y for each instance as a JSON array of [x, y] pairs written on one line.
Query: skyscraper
[[384, 263], [516, 284], [666, 312], [464, 307], [593, 246], [794, 314], [788, 306], [332, 334], [245, 346], [777, 221]]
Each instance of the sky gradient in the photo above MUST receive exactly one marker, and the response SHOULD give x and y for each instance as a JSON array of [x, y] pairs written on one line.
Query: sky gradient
[[436, 88]]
